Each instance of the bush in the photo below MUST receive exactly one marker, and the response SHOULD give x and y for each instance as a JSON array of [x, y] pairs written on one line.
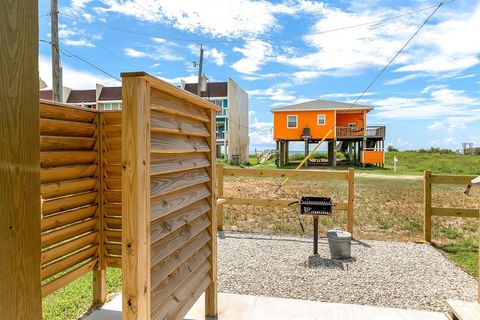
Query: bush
[[392, 149]]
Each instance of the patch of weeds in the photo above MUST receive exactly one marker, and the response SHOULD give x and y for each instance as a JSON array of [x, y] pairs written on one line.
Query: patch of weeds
[[464, 253], [384, 223], [449, 232]]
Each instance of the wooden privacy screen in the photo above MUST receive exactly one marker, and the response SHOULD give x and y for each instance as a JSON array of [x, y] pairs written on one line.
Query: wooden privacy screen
[[70, 225], [168, 216]]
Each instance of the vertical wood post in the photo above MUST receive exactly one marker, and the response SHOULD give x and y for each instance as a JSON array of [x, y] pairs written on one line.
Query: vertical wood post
[[20, 293], [220, 195], [478, 221], [350, 199], [99, 272], [211, 300], [427, 206], [136, 199]]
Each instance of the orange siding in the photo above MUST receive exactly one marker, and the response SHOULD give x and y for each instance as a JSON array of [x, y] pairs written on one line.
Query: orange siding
[[373, 156], [343, 119], [304, 119]]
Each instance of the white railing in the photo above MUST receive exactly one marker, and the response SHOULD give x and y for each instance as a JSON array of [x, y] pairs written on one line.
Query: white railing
[[221, 135]]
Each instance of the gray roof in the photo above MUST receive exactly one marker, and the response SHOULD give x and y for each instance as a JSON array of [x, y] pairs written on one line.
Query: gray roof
[[322, 105]]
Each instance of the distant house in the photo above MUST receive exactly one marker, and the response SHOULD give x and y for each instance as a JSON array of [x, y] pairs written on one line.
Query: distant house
[[311, 121], [232, 121], [101, 98]]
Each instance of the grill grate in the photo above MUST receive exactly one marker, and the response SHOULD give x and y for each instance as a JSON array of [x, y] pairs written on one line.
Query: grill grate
[[321, 206]]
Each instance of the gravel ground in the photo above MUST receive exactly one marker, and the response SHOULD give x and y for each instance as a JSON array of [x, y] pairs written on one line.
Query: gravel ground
[[389, 274]]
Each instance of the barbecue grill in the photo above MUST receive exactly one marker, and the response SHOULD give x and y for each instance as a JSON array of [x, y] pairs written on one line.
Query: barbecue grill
[[316, 207]]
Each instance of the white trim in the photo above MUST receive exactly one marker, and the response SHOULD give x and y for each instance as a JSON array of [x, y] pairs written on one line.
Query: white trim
[[109, 101], [324, 119], [296, 121]]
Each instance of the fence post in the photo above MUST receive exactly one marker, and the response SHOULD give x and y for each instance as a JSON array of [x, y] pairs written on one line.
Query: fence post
[[136, 199], [478, 228], [350, 199], [427, 206], [220, 195]]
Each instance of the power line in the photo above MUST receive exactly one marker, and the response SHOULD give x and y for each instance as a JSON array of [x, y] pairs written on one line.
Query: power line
[[72, 55], [397, 54]]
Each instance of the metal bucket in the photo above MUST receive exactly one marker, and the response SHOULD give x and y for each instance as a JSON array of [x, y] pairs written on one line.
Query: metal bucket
[[340, 244]]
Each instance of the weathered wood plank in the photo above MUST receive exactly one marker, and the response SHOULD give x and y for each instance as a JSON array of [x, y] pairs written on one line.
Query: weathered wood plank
[[427, 206], [67, 278], [163, 184], [68, 202], [464, 310], [162, 248], [285, 173], [53, 174], [164, 123], [165, 267], [165, 288], [175, 107], [51, 127], [66, 113], [454, 212], [450, 179], [65, 233], [161, 206], [67, 217], [67, 158], [67, 262], [162, 227], [52, 143], [169, 143], [166, 163], [63, 188], [69, 247], [350, 199]]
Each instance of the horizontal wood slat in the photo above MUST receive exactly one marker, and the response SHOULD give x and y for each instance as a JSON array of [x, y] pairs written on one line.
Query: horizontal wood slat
[[172, 106], [162, 184], [52, 111], [114, 171], [50, 127], [68, 247], [168, 143], [162, 227], [455, 212], [162, 248], [64, 218], [113, 209], [113, 222], [115, 262], [68, 202], [67, 158], [161, 206], [65, 233], [272, 203], [112, 117], [113, 183], [112, 157], [450, 179], [163, 122], [168, 265], [113, 249], [285, 173], [63, 188], [112, 130], [67, 278], [165, 163], [113, 196], [48, 175], [52, 143], [67, 262]]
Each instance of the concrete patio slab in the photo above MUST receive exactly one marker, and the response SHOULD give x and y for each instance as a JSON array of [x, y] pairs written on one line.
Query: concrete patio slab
[[244, 307]]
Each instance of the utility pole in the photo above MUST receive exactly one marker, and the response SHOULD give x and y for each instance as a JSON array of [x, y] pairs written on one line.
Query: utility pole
[[57, 90], [200, 65]]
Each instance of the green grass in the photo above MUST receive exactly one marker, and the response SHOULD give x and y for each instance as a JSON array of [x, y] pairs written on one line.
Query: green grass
[[464, 253], [75, 299]]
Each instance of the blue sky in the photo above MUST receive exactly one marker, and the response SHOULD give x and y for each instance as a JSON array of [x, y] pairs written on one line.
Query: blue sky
[[284, 52]]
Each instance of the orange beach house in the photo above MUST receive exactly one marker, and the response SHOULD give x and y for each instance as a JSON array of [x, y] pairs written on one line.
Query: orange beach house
[[311, 121]]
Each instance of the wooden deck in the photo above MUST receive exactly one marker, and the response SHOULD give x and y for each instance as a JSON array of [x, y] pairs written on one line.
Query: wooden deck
[[463, 310], [243, 307]]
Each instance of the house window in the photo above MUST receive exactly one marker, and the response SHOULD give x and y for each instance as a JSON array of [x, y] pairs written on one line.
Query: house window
[[291, 122], [111, 106], [321, 119]]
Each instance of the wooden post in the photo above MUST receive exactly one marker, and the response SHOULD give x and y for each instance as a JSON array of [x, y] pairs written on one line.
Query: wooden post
[[334, 153], [478, 295], [136, 199], [350, 199], [99, 272], [20, 293], [427, 206], [211, 304], [220, 195]]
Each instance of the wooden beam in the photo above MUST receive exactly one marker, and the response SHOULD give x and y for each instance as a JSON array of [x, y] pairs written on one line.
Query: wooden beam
[[454, 212], [427, 206], [451, 179], [220, 178], [286, 173], [20, 293], [136, 199], [350, 199]]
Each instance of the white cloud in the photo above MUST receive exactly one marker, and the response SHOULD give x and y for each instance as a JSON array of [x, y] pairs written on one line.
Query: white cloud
[[218, 57], [276, 93], [159, 40], [436, 125], [260, 132], [218, 18], [255, 54], [344, 95], [78, 43], [402, 79], [134, 53], [73, 78]]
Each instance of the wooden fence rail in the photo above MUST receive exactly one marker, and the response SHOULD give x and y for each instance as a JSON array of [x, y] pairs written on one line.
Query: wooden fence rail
[[429, 210], [348, 176]]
